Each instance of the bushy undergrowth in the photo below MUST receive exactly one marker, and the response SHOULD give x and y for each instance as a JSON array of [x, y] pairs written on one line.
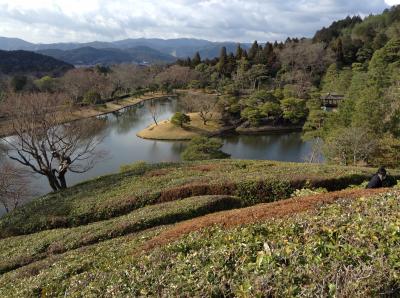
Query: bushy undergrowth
[[142, 185], [22, 250], [348, 249]]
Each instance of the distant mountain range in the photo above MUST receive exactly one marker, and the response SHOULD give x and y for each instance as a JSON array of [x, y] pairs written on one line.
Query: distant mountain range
[[108, 56], [25, 62], [137, 50]]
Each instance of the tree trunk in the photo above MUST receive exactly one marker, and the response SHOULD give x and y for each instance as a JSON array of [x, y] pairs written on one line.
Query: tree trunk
[[53, 182], [63, 182]]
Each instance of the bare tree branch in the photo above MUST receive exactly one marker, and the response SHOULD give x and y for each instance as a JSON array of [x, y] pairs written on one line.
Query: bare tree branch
[[44, 145]]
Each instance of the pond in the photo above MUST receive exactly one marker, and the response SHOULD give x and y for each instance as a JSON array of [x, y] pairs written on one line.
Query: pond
[[124, 147]]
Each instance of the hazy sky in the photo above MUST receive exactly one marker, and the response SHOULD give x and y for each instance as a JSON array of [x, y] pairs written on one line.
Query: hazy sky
[[235, 20]]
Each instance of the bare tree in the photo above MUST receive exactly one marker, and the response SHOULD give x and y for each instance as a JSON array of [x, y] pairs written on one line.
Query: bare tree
[[44, 142], [177, 76], [78, 82], [304, 62], [153, 109], [14, 186], [128, 77], [203, 104], [350, 145]]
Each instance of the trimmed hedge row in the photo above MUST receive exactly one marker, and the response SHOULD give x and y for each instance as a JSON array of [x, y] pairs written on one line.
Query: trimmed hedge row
[[249, 191], [38, 246]]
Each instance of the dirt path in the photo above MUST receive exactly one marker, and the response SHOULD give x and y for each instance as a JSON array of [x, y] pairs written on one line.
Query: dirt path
[[229, 219]]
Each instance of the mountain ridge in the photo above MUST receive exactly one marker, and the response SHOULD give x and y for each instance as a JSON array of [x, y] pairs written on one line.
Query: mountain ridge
[[179, 47], [23, 62], [91, 56]]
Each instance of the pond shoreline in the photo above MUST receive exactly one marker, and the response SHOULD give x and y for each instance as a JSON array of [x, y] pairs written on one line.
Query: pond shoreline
[[269, 129], [81, 113]]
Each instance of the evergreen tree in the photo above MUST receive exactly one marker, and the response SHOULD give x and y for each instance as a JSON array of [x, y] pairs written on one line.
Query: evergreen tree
[[339, 52], [188, 62], [253, 50], [222, 62], [203, 148], [179, 119], [231, 66], [239, 52], [196, 60]]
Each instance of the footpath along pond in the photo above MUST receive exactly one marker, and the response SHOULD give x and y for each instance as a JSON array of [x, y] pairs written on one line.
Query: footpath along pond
[[124, 147]]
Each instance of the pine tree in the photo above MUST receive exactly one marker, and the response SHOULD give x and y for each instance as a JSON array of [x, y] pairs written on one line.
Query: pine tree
[[253, 50], [223, 61], [339, 52], [239, 52], [231, 66], [196, 59]]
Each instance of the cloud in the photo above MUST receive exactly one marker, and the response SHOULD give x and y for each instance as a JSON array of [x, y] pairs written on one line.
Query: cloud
[[236, 20]]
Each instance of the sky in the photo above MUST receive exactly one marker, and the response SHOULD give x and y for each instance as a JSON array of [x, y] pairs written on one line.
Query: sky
[[48, 21]]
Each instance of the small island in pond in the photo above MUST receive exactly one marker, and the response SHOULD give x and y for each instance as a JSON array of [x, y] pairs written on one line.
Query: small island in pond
[[166, 130]]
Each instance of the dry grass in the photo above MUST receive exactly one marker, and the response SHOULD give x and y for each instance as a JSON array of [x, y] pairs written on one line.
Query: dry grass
[[165, 130]]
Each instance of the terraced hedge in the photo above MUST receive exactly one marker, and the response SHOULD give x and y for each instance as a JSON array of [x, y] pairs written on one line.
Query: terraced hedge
[[142, 185], [347, 249], [22, 250]]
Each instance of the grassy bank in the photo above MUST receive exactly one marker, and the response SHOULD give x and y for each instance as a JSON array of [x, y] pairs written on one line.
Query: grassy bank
[[143, 184], [165, 130]]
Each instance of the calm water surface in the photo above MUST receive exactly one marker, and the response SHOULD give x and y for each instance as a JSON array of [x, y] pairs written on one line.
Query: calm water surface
[[124, 147]]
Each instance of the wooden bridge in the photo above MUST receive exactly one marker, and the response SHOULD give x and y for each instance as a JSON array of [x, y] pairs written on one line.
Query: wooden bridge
[[331, 100]]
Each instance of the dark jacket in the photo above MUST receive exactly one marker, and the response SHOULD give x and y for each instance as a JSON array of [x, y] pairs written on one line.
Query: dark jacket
[[375, 182]]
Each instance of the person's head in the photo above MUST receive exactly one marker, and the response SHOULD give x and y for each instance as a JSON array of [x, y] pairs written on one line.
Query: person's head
[[382, 173]]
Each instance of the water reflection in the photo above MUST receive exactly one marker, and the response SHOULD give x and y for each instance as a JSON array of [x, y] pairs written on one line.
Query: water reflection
[[284, 147]]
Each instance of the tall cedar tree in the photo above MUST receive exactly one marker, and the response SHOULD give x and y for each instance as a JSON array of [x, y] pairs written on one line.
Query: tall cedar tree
[[239, 52], [339, 52], [223, 62], [253, 50], [196, 60]]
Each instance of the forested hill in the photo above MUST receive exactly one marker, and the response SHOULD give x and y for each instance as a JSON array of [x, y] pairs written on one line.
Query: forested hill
[[358, 39], [24, 62]]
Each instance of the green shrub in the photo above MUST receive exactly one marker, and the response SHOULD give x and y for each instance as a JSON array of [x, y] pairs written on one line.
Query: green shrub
[[254, 192], [203, 148], [179, 119], [308, 192], [92, 98]]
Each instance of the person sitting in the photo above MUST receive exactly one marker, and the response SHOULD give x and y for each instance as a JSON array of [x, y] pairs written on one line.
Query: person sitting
[[377, 179]]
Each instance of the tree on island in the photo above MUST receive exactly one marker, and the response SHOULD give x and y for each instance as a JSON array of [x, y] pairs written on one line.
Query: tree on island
[[45, 142], [203, 104], [203, 148], [179, 119]]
